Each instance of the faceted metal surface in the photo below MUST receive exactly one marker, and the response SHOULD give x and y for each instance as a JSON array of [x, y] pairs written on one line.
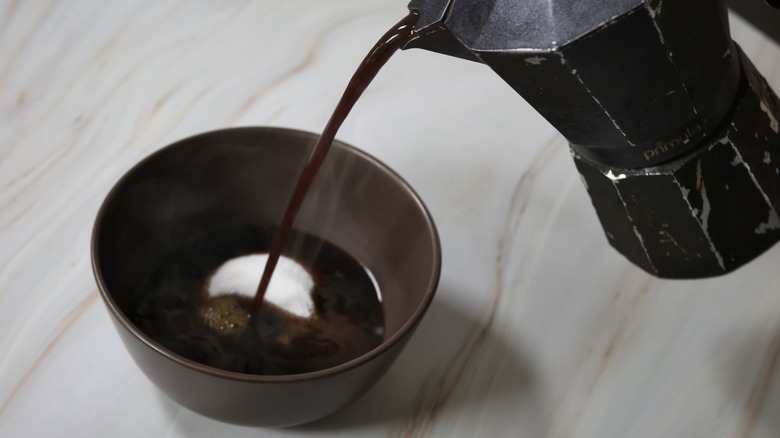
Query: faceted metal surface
[[629, 83], [501, 25], [673, 130], [707, 213]]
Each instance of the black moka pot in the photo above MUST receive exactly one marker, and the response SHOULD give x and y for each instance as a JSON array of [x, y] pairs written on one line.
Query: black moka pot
[[672, 128]]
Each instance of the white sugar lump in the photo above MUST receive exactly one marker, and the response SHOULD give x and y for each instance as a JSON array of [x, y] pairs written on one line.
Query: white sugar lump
[[290, 288]]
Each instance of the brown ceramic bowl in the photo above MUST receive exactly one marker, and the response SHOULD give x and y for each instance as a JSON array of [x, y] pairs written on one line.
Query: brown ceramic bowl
[[241, 176]]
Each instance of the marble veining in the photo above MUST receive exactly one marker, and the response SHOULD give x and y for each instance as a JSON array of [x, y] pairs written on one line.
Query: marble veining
[[539, 328], [439, 388]]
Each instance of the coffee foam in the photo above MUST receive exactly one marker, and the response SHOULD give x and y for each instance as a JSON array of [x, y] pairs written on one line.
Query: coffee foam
[[290, 288]]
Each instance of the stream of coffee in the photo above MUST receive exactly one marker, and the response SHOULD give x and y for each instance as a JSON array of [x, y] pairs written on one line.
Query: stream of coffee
[[390, 42]]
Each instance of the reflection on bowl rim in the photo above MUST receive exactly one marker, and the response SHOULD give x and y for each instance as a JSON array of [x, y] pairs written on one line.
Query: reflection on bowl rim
[[385, 345]]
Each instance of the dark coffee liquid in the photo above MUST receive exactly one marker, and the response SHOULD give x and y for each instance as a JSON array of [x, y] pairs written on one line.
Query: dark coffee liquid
[[391, 41], [348, 319]]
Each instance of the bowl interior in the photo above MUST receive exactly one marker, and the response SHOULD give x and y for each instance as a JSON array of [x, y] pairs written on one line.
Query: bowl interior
[[244, 177]]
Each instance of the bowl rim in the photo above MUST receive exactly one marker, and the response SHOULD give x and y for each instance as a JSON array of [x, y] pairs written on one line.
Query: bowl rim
[[384, 346]]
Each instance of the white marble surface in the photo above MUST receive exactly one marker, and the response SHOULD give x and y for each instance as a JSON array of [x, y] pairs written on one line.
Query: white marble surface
[[539, 328]]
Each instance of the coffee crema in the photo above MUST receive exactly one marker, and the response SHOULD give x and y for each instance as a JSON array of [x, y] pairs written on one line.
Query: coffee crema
[[347, 321]]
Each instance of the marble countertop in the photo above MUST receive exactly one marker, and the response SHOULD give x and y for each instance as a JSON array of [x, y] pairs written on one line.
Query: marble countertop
[[539, 328]]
